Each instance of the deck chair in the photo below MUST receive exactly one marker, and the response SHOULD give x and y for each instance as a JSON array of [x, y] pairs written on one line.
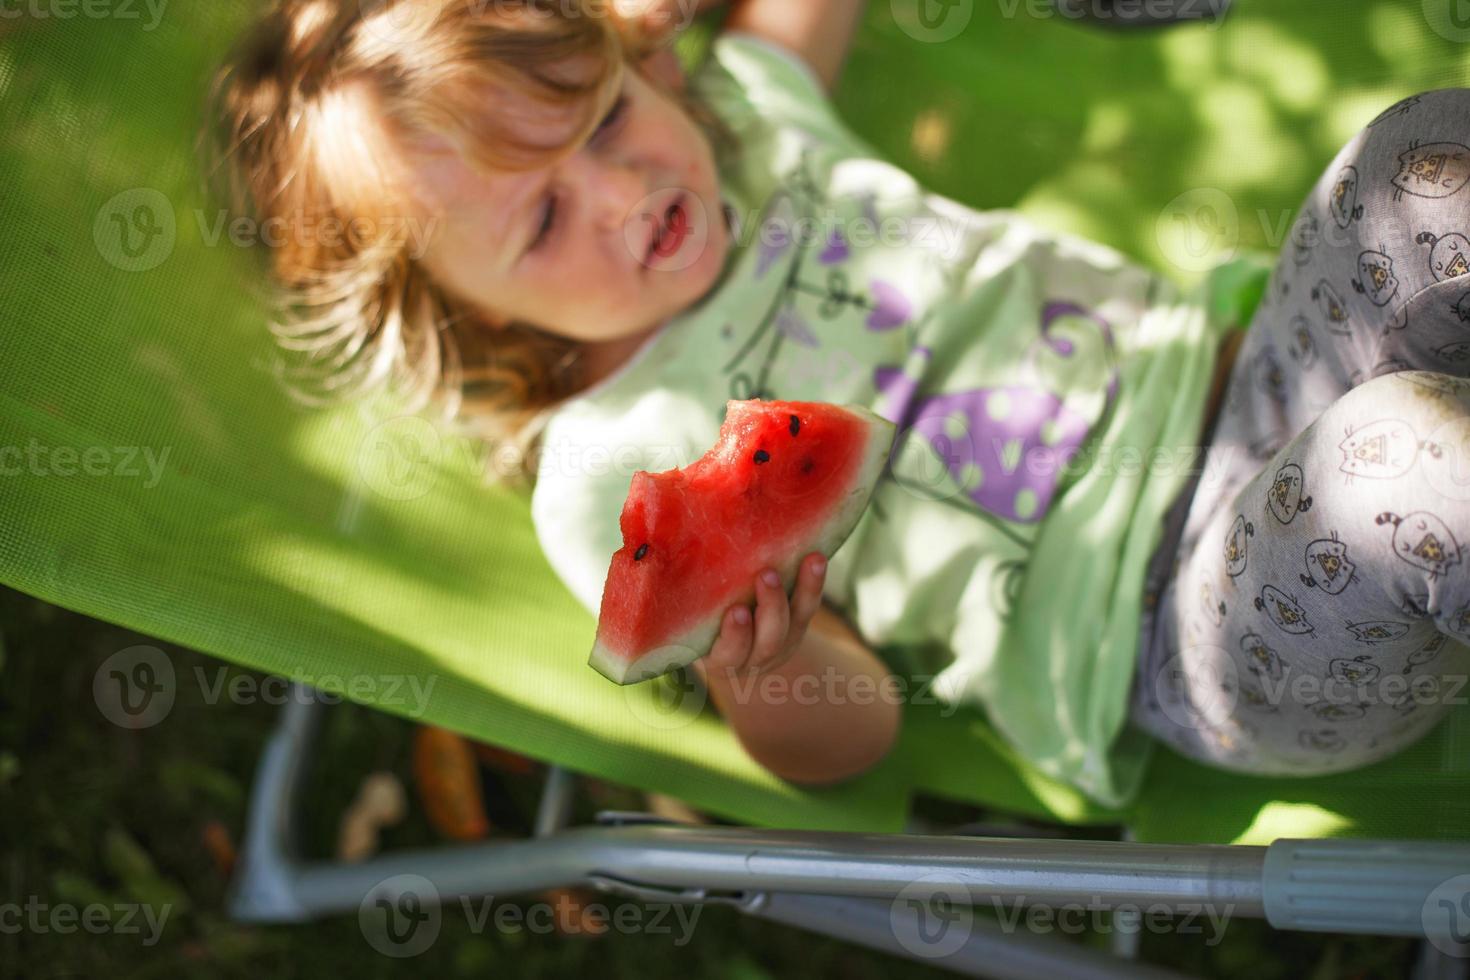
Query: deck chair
[[155, 477]]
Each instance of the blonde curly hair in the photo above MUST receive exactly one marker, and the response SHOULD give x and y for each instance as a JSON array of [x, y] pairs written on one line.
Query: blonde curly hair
[[299, 111]]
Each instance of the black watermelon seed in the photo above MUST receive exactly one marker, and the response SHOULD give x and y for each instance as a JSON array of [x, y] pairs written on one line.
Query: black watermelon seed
[[795, 425], [642, 550], [761, 456], [807, 464]]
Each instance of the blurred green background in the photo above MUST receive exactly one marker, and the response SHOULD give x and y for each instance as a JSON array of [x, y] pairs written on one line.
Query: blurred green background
[[1097, 131]]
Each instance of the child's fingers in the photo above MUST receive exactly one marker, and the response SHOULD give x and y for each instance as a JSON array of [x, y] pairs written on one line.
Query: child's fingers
[[732, 647], [806, 599], [767, 639], [808, 596], [772, 621]]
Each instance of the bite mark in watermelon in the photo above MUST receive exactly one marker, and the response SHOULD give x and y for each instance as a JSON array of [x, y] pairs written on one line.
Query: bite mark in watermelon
[[784, 479]]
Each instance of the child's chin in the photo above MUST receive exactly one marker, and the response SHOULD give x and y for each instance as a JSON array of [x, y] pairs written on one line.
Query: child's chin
[[702, 276]]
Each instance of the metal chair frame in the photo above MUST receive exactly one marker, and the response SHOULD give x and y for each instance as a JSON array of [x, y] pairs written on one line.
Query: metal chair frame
[[899, 893]]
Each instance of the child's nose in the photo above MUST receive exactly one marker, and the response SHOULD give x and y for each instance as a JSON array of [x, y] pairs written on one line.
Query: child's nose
[[617, 190]]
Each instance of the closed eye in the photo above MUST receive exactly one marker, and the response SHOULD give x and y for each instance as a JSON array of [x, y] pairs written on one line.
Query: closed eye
[[613, 117], [548, 218], [548, 213]]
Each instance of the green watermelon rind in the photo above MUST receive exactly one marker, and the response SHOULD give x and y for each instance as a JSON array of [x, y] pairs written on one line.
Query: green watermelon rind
[[697, 642]]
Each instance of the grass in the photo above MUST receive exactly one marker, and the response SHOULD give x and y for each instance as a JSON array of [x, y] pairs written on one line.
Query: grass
[[92, 814]]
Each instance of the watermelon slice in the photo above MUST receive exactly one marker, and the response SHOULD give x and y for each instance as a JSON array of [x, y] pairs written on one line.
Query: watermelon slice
[[784, 479]]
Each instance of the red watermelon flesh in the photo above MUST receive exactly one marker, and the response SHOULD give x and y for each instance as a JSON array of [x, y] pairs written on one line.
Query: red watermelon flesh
[[784, 479]]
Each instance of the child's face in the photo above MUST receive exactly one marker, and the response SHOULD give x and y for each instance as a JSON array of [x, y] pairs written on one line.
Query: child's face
[[620, 235]]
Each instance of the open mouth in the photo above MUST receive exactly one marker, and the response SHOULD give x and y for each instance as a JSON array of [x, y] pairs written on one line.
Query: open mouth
[[669, 235]]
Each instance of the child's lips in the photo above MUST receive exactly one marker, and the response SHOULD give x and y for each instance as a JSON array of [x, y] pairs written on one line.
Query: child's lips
[[669, 234]]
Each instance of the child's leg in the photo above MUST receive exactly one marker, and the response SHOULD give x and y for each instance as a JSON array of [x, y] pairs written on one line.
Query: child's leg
[[1369, 284], [1320, 623]]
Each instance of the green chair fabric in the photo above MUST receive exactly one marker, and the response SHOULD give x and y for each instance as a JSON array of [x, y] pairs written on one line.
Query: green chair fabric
[[153, 474]]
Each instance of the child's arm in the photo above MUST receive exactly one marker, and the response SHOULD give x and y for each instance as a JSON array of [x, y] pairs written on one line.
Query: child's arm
[[804, 694], [817, 31]]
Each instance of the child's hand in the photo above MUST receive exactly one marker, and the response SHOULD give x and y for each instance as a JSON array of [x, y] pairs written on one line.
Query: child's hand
[[767, 640]]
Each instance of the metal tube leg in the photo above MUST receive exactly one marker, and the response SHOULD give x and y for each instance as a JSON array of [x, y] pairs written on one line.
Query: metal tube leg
[[265, 888]]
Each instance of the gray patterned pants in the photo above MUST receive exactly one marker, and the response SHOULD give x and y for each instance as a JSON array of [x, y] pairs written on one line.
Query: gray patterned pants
[[1309, 607]]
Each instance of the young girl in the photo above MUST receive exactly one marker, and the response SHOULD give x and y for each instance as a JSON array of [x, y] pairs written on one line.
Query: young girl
[[610, 251]]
